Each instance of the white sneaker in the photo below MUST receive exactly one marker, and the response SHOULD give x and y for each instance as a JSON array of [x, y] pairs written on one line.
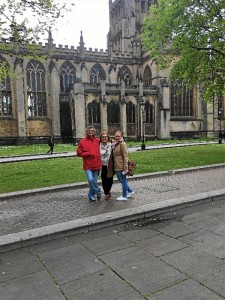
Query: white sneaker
[[121, 198], [131, 195]]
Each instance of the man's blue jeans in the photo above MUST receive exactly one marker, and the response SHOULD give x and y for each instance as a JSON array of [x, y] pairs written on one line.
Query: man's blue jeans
[[93, 184], [125, 186]]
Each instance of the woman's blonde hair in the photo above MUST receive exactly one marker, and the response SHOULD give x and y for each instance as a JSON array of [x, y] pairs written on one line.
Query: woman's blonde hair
[[119, 132]]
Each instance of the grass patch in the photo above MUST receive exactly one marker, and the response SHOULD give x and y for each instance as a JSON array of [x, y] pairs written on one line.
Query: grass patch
[[40, 173], [178, 158], [34, 149], [50, 172]]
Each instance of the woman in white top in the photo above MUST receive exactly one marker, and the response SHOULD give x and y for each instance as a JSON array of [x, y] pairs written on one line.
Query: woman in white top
[[105, 151]]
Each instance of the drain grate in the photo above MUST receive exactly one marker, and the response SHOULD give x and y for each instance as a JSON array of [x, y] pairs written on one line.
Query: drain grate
[[162, 188]]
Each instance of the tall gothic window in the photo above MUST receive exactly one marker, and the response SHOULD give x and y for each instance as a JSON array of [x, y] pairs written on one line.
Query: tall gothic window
[[147, 78], [149, 112], [5, 93], [125, 75], [36, 92], [67, 76], [181, 100], [97, 74], [130, 110], [113, 112], [142, 6], [93, 112]]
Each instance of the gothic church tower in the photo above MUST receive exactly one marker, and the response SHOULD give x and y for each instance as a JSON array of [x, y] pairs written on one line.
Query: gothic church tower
[[126, 18]]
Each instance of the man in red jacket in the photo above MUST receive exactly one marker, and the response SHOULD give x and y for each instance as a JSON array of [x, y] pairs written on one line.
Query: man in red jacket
[[89, 150]]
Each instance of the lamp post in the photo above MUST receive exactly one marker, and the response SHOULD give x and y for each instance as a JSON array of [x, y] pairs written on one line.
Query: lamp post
[[220, 113], [142, 106], [220, 116]]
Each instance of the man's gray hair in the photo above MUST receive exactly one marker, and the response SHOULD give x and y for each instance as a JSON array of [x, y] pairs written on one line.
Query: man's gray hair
[[90, 127]]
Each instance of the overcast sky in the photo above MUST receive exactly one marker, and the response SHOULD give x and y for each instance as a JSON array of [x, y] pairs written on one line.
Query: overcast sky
[[89, 16]]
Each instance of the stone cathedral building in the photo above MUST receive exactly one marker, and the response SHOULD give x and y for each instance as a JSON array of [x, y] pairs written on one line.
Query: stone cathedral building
[[117, 89]]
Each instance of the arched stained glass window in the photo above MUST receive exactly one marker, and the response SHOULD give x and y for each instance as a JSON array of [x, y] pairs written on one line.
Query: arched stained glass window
[[5, 92], [181, 99], [147, 78], [67, 76], [125, 75], [36, 92], [142, 6], [130, 109], [113, 112], [97, 74], [94, 112], [149, 112]]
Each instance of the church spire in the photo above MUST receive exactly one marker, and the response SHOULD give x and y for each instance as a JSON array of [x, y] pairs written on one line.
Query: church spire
[[81, 44], [81, 40], [50, 39]]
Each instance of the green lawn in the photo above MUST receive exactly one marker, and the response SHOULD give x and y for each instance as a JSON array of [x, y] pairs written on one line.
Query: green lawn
[[49, 172], [34, 149]]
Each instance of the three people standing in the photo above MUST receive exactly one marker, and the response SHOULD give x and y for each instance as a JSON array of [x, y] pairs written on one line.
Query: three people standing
[[109, 158]]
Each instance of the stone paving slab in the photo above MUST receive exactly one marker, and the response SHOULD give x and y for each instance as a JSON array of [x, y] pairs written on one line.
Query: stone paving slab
[[19, 268], [36, 286], [102, 285], [207, 241], [161, 244], [65, 266], [134, 264], [186, 290], [199, 265]]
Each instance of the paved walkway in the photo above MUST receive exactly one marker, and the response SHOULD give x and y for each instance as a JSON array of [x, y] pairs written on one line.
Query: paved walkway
[[176, 255]]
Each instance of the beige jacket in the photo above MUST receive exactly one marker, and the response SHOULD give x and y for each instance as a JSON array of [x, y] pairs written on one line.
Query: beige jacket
[[120, 157]]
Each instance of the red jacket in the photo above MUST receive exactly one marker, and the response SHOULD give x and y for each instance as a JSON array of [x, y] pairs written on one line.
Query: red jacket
[[89, 150]]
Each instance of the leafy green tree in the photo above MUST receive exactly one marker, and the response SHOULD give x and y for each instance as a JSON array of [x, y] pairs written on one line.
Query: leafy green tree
[[188, 36], [23, 23]]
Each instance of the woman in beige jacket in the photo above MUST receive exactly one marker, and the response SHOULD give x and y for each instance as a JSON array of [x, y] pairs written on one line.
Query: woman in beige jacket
[[120, 165]]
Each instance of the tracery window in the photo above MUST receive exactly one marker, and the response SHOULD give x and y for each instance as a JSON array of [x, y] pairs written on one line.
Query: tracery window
[[5, 93], [113, 112], [130, 110], [97, 74], [94, 112], [142, 6], [125, 75], [67, 76], [148, 112], [181, 99], [147, 78], [36, 92]]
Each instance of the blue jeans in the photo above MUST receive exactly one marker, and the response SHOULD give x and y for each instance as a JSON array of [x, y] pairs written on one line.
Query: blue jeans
[[125, 186], [93, 184]]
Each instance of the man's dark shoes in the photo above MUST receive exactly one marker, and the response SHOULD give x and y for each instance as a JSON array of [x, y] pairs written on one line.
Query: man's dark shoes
[[92, 199]]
